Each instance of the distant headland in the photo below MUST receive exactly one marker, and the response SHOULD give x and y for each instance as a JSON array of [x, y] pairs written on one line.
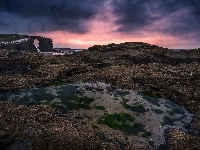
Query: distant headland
[[25, 43], [45, 45]]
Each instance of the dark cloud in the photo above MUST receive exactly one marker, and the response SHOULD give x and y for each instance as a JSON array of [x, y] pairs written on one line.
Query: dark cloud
[[180, 18], [183, 22], [129, 14], [48, 15]]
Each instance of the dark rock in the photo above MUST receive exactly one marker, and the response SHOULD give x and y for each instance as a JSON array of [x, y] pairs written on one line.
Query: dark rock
[[25, 43]]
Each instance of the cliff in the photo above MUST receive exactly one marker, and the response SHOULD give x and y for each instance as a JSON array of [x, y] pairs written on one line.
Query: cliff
[[25, 43]]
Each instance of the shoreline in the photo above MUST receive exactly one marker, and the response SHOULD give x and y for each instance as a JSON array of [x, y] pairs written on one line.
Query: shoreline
[[154, 72], [82, 86]]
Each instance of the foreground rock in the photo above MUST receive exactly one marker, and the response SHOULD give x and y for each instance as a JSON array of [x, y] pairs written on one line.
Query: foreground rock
[[159, 72], [144, 119], [181, 140], [40, 128]]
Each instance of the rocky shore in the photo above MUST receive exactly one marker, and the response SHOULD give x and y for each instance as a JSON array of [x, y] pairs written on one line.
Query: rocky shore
[[40, 128], [25, 43], [157, 71]]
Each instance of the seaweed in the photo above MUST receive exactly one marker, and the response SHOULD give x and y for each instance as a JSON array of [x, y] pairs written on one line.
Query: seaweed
[[158, 111], [121, 122], [100, 107], [146, 134], [138, 108]]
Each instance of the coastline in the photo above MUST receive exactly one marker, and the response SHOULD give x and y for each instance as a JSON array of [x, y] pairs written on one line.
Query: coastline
[[158, 76]]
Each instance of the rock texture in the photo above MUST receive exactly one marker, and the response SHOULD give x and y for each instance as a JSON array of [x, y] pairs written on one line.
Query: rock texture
[[40, 127], [180, 140], [25, 43], [174, 75]]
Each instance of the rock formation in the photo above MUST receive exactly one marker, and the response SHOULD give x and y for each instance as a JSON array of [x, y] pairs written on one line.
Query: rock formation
[[25, 43], [157, 71], [148, 48]]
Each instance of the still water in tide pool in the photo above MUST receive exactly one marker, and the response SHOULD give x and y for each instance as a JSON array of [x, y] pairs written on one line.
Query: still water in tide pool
[[53, 96], [155, 115]]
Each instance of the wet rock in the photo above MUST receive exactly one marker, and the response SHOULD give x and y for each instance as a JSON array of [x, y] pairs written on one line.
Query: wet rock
[[181, 140], [137, 66]]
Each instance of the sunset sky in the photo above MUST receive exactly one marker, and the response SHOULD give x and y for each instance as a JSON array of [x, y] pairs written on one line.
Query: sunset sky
[[83, 23]]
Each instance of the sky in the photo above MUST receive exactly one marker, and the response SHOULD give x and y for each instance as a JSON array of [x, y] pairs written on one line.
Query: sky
[[84, 23]]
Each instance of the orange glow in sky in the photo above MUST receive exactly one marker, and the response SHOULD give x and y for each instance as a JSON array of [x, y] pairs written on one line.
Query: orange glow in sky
[[102, 33], [84, 23]]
